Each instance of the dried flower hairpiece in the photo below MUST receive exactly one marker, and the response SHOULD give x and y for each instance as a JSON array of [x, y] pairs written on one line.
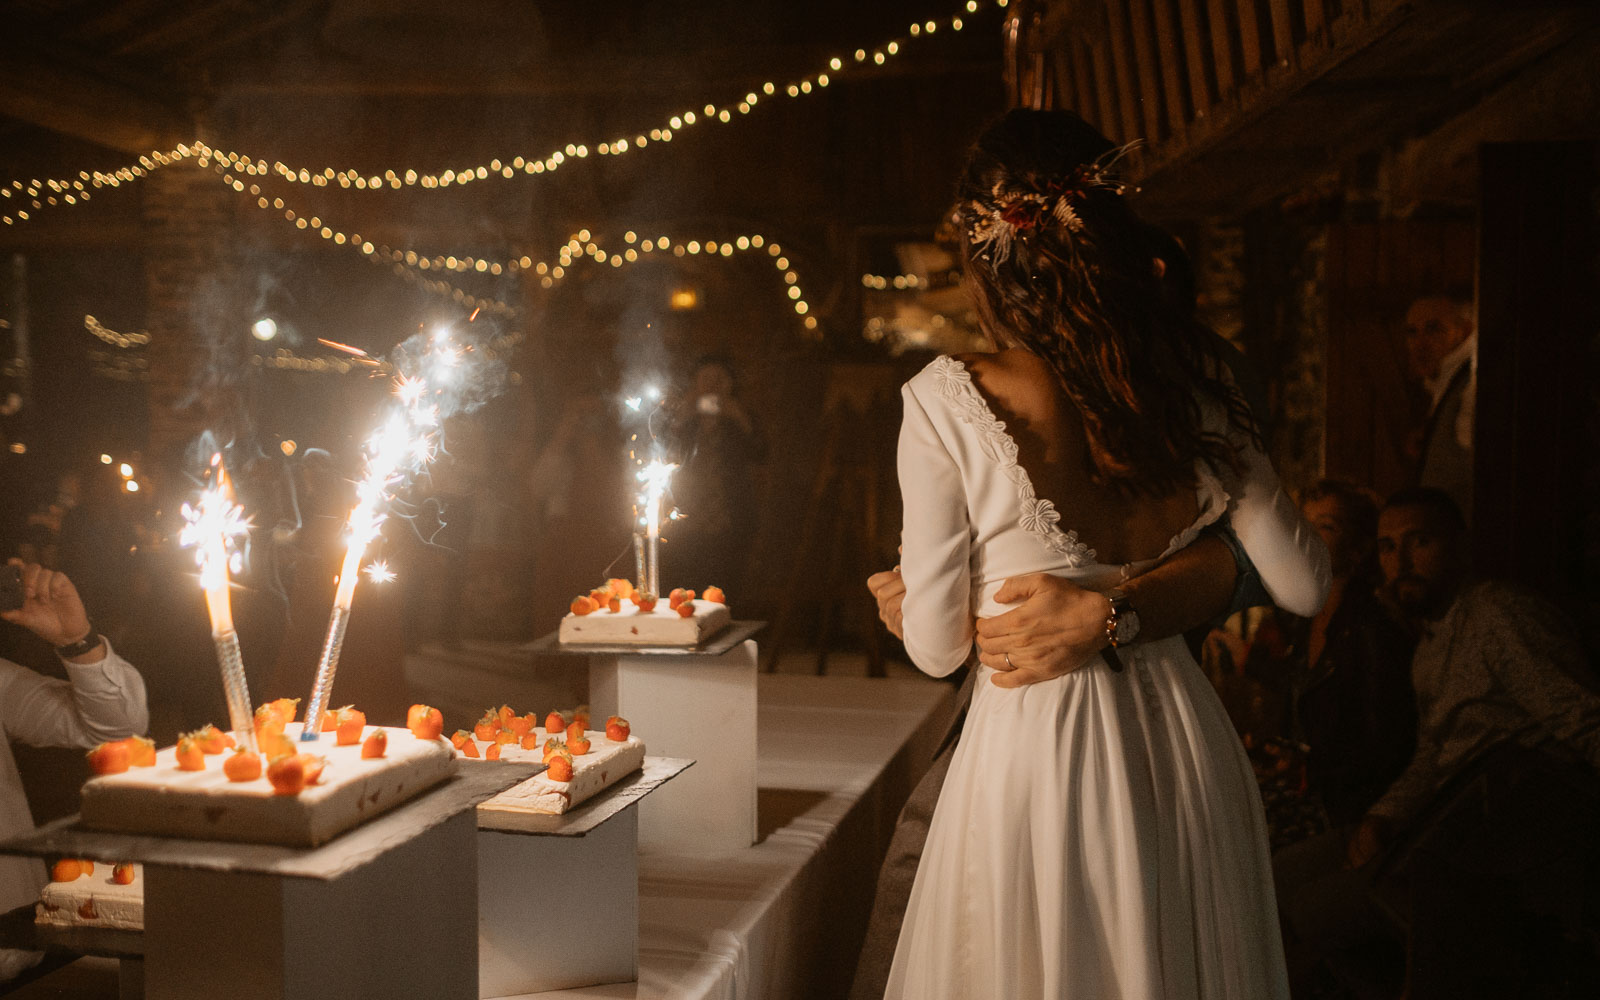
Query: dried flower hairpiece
[[1015, 212]]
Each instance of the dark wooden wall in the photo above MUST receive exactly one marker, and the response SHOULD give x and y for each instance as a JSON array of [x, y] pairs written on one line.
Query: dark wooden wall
[[1539, 324]]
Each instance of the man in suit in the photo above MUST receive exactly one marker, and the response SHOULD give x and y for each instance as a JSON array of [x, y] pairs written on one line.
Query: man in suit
[[1441, 342]]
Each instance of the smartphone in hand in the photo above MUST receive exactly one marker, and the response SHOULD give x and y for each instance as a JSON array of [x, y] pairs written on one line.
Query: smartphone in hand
[[10, 587]]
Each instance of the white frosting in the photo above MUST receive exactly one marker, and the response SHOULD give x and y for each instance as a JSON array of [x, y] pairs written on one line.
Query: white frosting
[[205, 805], [603, 766], [660, 627], [109, 905]]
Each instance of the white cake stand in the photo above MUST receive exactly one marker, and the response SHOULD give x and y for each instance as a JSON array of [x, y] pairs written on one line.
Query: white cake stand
[[558, 896], [387, 910]]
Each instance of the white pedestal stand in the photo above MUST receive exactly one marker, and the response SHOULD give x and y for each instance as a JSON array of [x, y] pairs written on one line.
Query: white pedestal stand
[[558, 896], [385, 911], [697, 705]]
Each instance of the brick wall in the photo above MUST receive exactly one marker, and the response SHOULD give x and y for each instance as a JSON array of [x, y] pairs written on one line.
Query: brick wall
[[191, 275]]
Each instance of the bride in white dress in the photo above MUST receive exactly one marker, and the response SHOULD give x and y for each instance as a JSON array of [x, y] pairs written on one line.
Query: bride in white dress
[[1099, 834]]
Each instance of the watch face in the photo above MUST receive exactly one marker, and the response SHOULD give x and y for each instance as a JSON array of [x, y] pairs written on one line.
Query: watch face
[[1127, 626]]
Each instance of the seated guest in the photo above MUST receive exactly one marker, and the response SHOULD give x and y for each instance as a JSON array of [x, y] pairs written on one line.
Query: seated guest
[[102, 699], [1352, 700], [1494, 666], [1347, 720]]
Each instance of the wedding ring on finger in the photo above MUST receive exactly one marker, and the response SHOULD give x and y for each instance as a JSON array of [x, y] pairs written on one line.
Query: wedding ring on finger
[[1009, 664]]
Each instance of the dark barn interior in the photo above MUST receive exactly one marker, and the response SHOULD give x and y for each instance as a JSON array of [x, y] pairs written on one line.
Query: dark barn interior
[[221, 216]]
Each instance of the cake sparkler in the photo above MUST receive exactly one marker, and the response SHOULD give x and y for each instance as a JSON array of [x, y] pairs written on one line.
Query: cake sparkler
[[213, 525], [656, 477], [437, 378], [404, 444]]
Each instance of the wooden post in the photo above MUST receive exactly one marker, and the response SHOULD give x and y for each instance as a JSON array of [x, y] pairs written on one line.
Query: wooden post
[[1221, 48], [1193, 41], [1282, 33], [1249, 38], [1127, 84], [1148, 62], [1083, 85], [1171, 59]]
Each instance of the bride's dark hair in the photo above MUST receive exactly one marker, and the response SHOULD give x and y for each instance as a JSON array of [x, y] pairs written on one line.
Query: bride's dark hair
[[1063, 268]]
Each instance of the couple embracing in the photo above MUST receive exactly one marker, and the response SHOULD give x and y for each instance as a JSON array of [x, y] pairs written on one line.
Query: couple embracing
[[1097, 832]]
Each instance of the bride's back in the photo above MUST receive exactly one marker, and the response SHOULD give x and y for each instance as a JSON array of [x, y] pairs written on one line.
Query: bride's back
[[1052, 447]]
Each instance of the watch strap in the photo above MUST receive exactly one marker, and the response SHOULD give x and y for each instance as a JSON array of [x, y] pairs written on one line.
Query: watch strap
[[1108, 652], [85, 645]]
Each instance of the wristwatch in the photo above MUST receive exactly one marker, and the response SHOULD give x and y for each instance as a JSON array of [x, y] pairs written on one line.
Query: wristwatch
[[1122, 624], [87, 644]]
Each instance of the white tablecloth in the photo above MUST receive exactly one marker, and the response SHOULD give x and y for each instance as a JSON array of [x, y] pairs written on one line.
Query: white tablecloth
[[785, 918]]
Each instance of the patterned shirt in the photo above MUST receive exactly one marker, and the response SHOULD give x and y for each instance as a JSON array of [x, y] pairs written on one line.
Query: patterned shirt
[[1500, 665]]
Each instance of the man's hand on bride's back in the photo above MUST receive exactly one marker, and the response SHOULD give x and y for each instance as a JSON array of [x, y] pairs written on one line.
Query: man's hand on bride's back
[[889, 590], [1055, 628]]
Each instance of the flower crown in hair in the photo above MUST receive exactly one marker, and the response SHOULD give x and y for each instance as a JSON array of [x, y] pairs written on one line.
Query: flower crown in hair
[[1016, 212]]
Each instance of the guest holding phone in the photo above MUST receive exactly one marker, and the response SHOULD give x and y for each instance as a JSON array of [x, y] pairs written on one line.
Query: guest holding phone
[[103, 698]]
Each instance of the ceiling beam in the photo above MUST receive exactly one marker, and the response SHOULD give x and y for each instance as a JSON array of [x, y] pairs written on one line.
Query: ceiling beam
[[48, 91]]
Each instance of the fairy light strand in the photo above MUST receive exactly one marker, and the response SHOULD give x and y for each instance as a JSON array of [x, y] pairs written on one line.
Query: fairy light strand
[[20, 202], [580, 248]]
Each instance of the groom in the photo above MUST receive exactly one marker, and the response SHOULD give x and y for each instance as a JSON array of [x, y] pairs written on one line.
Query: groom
[[1055, 628]]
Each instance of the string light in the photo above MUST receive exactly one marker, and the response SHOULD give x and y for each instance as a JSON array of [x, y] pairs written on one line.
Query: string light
[[112, 337], [21, 202], [286, 359], [414, 267], [900, 282]]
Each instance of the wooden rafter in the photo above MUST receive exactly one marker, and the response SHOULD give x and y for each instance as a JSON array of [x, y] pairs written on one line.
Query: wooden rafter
[[51, 92]]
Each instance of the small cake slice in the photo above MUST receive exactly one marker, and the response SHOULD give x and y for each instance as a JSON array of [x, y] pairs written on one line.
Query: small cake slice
[[206, 805], [607, 762], [94, 900], [661, 626]]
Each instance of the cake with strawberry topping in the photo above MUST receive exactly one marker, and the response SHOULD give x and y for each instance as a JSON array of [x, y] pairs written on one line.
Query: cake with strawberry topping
[[619, 615], [86, 894], [581, 762], [292, 793]]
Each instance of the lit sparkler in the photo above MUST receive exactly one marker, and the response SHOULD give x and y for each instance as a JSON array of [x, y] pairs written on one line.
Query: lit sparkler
[[656, 477], [436, 377], [404, 444], [213, 525], [401, 445]]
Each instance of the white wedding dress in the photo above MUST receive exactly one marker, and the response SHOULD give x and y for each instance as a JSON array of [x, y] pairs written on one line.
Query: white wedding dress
[[1100, 835]]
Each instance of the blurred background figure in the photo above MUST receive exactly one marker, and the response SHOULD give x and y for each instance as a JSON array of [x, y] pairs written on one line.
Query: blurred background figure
[[1441, 341], [717, 445]]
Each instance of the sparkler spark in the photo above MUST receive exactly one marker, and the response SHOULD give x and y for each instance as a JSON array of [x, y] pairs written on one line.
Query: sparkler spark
[[436, 378], [378, 571], [656, 477], [214, 525]]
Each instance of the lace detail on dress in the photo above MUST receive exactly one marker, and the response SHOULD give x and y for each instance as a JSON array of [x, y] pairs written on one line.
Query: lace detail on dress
[[1036, 516], [1213, 504]]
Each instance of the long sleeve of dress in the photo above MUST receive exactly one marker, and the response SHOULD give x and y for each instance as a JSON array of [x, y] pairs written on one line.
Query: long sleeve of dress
[[936, 541], [102, 701], [1287, 552]]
